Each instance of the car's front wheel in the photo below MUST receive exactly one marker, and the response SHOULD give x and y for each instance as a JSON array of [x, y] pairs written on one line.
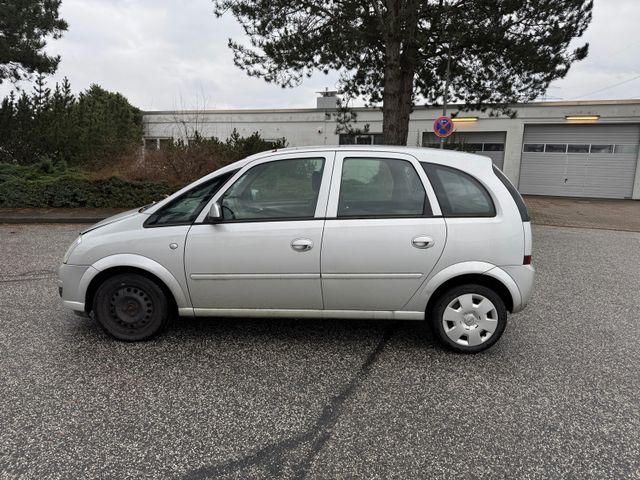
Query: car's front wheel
[[131, 307], [469, 318]]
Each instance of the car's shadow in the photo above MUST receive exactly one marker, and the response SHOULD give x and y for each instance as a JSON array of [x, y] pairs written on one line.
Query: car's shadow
[[186, 328]]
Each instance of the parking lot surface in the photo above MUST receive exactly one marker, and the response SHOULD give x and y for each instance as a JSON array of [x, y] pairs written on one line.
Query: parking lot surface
[[556, 397]]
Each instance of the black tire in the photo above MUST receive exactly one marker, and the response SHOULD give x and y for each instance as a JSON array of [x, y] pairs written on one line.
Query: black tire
[[437, 323], [131, 307]]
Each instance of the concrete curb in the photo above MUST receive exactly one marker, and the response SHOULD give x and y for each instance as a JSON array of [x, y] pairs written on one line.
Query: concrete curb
[[56, 215], [52, 219]]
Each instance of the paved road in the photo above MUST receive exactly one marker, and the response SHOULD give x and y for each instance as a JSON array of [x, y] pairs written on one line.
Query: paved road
[[557, 397]]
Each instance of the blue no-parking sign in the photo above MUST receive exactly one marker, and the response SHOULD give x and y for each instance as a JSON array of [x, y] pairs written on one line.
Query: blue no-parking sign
[[443, 127]]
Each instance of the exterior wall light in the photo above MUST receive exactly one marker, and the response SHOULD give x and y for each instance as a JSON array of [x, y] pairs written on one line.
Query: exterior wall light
[[464, 119], [582, 118]]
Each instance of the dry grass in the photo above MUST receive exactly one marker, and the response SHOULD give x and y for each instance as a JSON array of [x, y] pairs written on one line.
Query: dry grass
[[175, 166]]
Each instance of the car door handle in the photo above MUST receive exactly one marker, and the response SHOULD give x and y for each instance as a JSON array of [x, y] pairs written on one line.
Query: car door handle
[[422, 242], [302, 244]]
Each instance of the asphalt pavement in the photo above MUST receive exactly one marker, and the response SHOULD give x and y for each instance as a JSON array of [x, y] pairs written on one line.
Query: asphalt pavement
[[557, 397]]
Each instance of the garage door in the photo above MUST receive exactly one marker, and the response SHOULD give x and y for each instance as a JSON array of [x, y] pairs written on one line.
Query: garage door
[[489, 144], [579, 160]]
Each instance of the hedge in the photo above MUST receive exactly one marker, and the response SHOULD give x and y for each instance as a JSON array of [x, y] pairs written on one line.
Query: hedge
[[28, 187]]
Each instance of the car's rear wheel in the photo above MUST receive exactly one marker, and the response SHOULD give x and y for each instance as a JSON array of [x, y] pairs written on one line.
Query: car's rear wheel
[[131, 307], [469, 318]]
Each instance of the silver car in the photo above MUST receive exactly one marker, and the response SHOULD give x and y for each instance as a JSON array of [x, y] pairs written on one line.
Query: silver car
[[326, 232]]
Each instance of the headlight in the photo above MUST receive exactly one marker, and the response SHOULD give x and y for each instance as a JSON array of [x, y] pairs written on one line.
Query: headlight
[[71, 248]]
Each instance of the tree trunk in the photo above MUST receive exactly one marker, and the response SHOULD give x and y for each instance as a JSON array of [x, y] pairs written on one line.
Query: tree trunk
[[400, 65]]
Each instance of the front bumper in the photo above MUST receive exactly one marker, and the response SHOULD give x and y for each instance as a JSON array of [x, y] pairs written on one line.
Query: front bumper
[[70, 286]]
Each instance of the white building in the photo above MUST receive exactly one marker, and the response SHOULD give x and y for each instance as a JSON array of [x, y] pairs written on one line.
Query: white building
[[579, 149]]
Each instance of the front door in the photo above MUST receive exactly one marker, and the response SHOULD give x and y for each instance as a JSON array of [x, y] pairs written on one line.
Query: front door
[[265, 254], [381, 238]]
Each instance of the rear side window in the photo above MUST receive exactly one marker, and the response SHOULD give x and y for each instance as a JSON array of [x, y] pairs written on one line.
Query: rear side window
[[522, 208], [375, 187], [459, 194]]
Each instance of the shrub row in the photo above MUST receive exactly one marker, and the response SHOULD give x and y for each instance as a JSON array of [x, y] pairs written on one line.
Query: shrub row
[[26, 187]]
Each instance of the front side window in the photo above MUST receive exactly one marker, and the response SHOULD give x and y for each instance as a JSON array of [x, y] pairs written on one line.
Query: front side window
[[185, 209], [459, 194], [282, 189], [380, 187]]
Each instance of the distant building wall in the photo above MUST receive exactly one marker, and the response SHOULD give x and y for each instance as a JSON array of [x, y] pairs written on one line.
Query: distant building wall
[[316, 126]]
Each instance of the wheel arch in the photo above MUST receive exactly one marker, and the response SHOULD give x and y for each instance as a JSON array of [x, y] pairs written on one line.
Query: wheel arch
[[144, 266], [481, 273], [476, 278]]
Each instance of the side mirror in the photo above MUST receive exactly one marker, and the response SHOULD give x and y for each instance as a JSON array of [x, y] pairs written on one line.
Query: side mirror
[[215, 213]]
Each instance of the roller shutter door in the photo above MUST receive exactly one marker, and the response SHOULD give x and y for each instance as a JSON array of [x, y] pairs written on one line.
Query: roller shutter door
[[489, 144], [579, 160]]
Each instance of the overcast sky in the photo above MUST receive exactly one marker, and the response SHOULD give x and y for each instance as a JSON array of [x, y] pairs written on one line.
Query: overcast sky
[[173, 54]]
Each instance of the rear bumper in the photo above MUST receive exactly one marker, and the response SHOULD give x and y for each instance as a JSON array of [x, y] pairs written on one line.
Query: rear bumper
[[524, 277]]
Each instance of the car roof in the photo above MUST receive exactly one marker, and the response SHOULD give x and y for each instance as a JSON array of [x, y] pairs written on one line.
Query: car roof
[[434, 155]]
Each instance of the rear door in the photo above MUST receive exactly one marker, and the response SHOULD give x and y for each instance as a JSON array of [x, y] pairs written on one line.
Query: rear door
[[383, 234]]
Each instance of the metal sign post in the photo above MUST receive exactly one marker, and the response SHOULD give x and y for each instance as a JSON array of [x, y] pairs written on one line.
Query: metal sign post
[[445, 93]]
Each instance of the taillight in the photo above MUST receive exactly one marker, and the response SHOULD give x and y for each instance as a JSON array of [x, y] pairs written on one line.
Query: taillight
[[527, 260]]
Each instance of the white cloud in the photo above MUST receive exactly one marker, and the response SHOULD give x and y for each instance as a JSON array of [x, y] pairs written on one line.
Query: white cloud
[[168, 54]]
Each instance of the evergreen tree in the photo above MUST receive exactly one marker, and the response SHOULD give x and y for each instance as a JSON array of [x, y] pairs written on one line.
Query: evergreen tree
[[25, 26], [494, 52], [88, 130]]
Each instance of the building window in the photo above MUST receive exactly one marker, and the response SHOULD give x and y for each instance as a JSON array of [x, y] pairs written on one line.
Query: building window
[[458, 142], [601, 148], [151, 144], [493, 147], [556, 148], [626, 149], [361, 139], [621, 149], [533, 147], [165, 142], [578, 148]]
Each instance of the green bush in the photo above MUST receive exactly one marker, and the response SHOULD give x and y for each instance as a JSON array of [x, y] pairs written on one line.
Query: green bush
[[88, 130], [52, 185]]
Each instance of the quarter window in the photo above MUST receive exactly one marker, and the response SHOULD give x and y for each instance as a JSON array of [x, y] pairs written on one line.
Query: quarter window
[[459, 194], [374, 187], [282, 189]]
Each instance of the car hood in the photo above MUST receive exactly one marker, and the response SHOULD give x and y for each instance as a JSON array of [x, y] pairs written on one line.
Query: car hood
[[112, 219]]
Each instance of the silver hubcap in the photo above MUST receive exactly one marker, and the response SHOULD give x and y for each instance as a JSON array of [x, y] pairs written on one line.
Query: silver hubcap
[[470, 319]]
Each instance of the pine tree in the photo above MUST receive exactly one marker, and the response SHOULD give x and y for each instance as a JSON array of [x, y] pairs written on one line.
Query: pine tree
[[25, 26], [394, 51]]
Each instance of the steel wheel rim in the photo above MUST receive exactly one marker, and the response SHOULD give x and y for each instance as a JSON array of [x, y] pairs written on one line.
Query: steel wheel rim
[[470, 319], [131, 307]]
